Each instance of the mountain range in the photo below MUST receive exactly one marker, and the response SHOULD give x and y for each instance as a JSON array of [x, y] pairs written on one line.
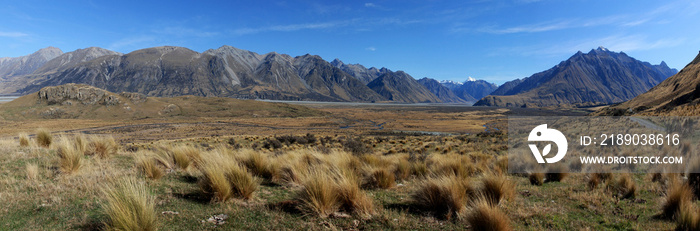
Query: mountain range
[[598, 77], [679, 95], [225, 72]]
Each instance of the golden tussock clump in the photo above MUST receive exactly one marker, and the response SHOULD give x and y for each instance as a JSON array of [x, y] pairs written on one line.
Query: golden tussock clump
[[184, 156], [496, 188], [688, 217], [32, 172], [70, 158], [43, 138], [446, 195], [23, 140], [319, 195], [678, 195], [147, 165], [382, 178], [224, 178], [624, 187], [483, 216], [102, 146], [261, 164], [536, 178], [129, 206]]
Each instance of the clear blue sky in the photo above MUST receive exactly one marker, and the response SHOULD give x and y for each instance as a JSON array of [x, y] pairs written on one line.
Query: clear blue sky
[[446, 40]]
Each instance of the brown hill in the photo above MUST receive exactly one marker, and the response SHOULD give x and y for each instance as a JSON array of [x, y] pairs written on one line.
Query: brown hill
[[678, 95], [598, 77], [87, 102], [401, 87]]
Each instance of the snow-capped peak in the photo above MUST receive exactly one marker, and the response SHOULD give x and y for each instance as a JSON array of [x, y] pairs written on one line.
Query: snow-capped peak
[[470, 79]]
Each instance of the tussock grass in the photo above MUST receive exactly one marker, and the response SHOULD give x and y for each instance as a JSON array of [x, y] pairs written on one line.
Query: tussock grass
[[446, 195], [81, 143], [319, 196], [184, 156], [43, 138], [32, 172], [688, 217], [624, 187], [70, 158], [146, 164], [678, 195], [536, 178], [23, 140], [102, 146], [556, 173], [382, 178], [483, 216], [129, 206], [496, 188], [693, 174], [261, 165], [225, 178], [352, 197]]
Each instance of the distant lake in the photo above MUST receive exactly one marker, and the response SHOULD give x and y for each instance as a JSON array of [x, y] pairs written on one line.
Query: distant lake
[[5, 99]]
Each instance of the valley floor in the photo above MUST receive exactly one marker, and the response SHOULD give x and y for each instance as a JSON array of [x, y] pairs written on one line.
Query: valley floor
[[387, 156]]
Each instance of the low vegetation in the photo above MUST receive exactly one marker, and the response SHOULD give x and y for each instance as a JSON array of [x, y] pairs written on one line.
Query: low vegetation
[[129, 206]]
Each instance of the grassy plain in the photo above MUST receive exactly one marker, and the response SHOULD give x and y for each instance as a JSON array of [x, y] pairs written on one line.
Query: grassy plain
[[385, 167]]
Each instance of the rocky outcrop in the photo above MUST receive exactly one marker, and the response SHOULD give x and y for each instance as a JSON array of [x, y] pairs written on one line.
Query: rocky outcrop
[[80, 93]]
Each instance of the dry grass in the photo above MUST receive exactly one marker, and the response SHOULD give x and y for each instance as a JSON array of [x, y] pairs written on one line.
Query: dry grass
[[352, 197], [32, 172], [536, 178], [382, 178], [23, 140], [624, 187], [688, 217], [556, 173], [483, 216], [445, 196], [70, 158], [184, 156], [496, 188], [260, 164], [102, 146], [678, 195], [225, 178], [319, 196], [146, 164], [129, 206], [43, 138]]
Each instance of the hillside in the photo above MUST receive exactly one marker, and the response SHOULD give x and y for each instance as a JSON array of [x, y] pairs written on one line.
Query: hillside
[[401, 87], [443, 93], [679, 95], [586, 79], [78, 101]]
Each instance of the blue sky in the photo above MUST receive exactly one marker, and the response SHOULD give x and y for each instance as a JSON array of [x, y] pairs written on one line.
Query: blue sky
[[446, 40]]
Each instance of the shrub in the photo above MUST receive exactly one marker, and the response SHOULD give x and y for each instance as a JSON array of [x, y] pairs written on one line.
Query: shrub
[[43, 138], [678, 195], [70, 158], [536, 178], [356, 146], [318, 195], [23, 140], [272, 144], [129, 206], [445, 196], [556, 173], [496, 188], [624, 187], [483, 216], [146, 164], [103, 147]]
